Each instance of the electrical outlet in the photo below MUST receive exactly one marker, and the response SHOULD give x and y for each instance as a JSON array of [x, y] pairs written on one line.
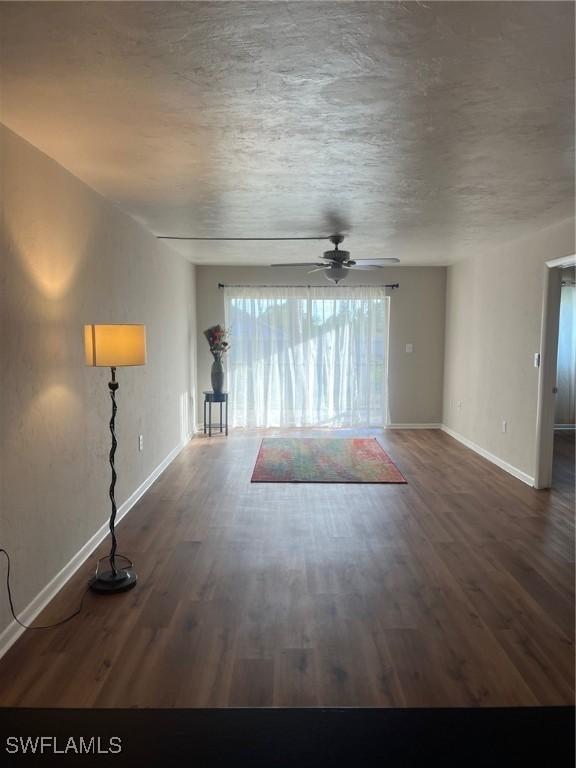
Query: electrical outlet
[[504, 425], [459, 404], [409, 348], [140, 442]]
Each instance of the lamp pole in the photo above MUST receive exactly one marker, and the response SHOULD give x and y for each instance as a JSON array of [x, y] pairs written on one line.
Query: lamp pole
[[116, 579], [113, 387]]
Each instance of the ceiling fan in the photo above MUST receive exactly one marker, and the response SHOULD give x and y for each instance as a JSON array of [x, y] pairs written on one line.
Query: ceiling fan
[[338, 263]]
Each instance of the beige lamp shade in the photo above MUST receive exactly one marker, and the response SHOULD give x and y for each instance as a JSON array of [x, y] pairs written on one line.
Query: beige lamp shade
[[113, 346]]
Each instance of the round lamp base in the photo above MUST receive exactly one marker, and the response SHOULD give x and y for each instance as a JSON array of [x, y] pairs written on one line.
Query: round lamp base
[[108, 582]]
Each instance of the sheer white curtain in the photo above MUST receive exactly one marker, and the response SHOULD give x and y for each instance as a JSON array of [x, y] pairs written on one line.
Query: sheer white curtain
[[307, 356], [566, 373]]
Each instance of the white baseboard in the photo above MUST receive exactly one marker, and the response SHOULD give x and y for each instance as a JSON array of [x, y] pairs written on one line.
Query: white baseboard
[[490, 456], [37, 605]]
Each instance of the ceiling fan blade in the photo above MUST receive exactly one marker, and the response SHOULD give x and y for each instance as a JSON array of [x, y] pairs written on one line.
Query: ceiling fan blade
[[300, 264], [319, 269], [377, 262], [368, 266]]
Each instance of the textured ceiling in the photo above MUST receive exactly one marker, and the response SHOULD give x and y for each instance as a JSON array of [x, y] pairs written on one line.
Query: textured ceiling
[[432, 130]]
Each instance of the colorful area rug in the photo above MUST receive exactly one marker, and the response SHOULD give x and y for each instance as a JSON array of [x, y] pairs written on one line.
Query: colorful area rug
[[324, 460]]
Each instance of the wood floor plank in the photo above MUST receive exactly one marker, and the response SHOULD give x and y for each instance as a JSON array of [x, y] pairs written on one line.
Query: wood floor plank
[[252, 683], [296, 678], [456, 589]]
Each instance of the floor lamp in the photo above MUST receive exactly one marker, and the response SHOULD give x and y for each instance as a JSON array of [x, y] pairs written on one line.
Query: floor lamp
[[114, 346]]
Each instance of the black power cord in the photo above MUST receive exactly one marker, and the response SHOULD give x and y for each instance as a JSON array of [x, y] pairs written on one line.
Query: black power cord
[[57, 623]]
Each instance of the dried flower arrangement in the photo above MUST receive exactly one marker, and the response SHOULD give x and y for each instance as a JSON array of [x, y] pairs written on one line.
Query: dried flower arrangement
[[216, 337]]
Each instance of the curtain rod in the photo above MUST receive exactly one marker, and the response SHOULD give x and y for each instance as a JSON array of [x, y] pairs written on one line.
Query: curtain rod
[[228, 285]]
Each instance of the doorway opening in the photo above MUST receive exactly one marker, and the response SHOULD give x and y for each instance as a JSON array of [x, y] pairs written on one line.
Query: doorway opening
[[565, 406], [557, 387]]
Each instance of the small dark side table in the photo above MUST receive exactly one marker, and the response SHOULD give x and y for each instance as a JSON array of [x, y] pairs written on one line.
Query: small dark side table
[[215, 397]]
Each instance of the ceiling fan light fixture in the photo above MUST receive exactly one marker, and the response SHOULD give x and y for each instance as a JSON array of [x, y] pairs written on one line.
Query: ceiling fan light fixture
[[336, 273]]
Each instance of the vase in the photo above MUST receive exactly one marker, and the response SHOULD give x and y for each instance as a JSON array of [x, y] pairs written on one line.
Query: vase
[[217, 377]]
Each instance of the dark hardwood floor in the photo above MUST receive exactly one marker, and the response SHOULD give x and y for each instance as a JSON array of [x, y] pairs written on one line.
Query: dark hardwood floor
[[453, 590]]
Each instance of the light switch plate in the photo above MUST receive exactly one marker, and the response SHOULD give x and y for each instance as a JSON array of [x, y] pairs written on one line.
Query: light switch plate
[[409, 348]]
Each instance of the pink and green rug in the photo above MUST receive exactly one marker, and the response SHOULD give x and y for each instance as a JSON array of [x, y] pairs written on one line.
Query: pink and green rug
[[324, 460]]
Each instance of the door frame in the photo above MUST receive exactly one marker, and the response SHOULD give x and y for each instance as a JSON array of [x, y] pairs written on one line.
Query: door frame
[[547, 370]]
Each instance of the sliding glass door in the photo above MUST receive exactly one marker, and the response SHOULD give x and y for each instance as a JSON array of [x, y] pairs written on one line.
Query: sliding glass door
[[307, 356]]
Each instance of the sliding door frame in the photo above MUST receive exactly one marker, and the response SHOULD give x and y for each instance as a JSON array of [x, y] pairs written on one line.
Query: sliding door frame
[[331, 294]]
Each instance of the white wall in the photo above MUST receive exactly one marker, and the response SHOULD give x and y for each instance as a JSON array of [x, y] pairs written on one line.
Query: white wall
[[67, 258], [493, 318], [416, 317]]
